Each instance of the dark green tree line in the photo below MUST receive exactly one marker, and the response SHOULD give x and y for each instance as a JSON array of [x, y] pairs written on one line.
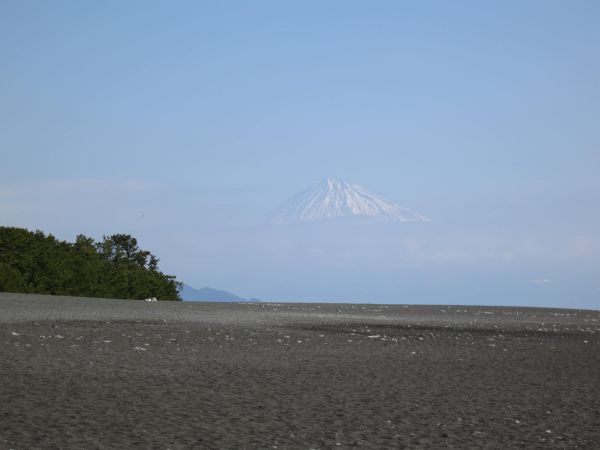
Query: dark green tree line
[[32, 262]]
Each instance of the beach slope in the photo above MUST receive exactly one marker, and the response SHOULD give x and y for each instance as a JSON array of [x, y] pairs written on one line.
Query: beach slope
[[96, 373]]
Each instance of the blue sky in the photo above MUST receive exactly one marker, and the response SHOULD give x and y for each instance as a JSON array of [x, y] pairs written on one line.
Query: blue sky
[[185, 123]]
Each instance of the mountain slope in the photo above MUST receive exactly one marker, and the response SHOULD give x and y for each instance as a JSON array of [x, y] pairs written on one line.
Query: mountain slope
[[333, 199], [208, 294]]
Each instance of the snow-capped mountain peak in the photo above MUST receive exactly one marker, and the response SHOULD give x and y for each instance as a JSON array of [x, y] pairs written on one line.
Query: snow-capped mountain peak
[[335, 199]]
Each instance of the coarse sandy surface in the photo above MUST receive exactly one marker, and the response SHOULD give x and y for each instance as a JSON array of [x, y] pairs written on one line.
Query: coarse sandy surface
[[92, 373]]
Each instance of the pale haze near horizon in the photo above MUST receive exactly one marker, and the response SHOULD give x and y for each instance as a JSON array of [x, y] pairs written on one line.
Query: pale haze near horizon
[[186, 124]]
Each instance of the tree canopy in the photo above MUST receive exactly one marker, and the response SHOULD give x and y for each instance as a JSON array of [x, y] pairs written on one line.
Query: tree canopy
[[32, 262]]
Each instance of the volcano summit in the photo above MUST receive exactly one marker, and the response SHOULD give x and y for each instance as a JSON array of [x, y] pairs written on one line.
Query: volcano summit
[[334, 199]]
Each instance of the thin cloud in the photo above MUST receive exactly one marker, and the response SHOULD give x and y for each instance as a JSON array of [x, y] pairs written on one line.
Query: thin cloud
[[78, 185]]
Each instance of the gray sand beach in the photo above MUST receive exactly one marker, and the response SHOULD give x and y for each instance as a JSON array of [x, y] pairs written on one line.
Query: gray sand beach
[[98, 373]]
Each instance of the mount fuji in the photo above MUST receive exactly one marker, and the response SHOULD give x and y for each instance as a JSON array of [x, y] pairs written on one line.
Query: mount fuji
[[341, 200]]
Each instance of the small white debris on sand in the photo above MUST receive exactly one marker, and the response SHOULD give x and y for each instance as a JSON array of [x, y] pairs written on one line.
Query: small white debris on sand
[[140, 348], [14, 333]]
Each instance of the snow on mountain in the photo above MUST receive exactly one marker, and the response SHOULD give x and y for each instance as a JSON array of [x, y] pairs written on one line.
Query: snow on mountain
[[333, 199]]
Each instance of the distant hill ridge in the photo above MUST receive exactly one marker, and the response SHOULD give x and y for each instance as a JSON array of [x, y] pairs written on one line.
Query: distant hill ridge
[[208, 294]]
